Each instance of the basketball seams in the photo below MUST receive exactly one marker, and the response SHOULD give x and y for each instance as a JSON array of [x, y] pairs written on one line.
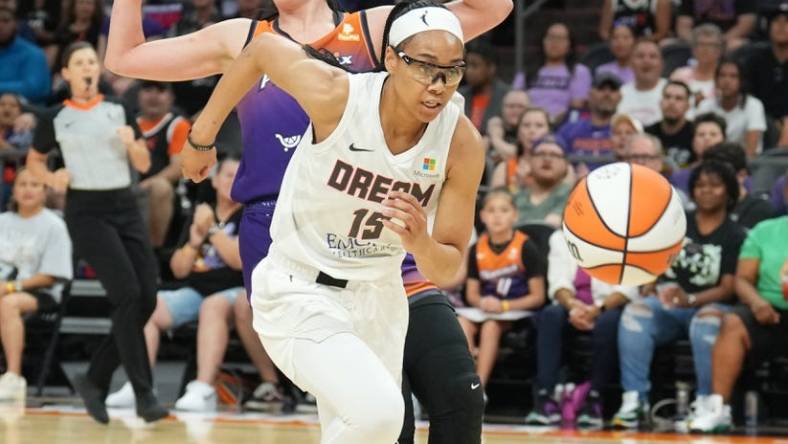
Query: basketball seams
[[629, 222], [599, 215], [567, 228]]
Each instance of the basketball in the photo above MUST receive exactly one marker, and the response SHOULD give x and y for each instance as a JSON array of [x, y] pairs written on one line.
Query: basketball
[[624, 224]]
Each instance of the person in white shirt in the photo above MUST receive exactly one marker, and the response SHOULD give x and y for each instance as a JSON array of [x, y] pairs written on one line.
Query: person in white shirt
[[35, 257], [743, 113], [584, 304], [641, 97]]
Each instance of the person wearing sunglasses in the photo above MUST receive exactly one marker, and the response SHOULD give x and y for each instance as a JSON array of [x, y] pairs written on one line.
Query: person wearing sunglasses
[[388, 165]]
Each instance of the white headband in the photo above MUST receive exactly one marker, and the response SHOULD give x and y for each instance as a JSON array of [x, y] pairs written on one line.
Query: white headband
[[424, 19]]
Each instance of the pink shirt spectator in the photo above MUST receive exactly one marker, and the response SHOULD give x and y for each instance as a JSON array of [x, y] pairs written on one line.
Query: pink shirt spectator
[[554, 88]]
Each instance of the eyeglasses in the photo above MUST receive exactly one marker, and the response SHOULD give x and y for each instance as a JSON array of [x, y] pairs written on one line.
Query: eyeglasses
[[428, 73]]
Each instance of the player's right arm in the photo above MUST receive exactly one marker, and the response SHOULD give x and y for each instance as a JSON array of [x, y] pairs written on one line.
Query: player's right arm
[[321, 89], [200, 54]]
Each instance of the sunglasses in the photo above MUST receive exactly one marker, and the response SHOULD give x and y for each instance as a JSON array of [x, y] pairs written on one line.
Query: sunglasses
[[428, 73]]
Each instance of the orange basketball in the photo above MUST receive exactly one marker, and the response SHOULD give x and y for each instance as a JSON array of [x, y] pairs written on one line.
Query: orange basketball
[[624, 224]]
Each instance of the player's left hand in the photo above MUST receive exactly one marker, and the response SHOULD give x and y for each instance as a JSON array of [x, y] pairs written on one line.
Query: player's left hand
[[407, 218]]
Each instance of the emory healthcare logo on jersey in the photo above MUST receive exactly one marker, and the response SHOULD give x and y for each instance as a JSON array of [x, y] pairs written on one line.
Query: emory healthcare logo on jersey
[[348, 34]]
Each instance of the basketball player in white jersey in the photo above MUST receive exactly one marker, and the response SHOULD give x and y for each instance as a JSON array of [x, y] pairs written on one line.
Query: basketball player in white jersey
[[389, 164]]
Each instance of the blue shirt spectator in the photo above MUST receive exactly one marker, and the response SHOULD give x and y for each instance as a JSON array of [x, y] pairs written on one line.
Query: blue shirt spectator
[[23, 65]]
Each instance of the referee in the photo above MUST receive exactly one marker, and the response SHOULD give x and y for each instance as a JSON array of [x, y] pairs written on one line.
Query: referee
[[99, 139]]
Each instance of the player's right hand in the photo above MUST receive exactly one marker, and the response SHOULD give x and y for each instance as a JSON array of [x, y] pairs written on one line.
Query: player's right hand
[[196, 165], [60, 180]]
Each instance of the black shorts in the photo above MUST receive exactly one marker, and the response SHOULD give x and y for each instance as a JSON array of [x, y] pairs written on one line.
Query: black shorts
[[768, 341]]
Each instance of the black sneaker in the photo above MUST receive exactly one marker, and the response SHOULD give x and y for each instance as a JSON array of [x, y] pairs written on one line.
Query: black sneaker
[[307, 404], [590, 416], [546, 412]]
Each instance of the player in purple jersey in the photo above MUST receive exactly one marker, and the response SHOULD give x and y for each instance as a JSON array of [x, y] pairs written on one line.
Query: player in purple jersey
[[267, 148]]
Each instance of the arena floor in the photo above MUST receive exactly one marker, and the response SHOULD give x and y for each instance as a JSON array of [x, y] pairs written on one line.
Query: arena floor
[[67, 425]]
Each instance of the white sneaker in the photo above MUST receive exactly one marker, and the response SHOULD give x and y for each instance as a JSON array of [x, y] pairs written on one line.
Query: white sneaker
[[122, 399], [12, 387], [632, 411], [199, 397], [715, 417]]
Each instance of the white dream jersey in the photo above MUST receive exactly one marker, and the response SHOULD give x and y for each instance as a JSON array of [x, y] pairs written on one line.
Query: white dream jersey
[[329, 210]]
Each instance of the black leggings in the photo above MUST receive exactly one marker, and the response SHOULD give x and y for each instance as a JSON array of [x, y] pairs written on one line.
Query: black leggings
[[439, 370], [108, 232]]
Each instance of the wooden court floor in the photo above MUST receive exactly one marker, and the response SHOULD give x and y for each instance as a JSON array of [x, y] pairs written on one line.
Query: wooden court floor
[[52, 426]]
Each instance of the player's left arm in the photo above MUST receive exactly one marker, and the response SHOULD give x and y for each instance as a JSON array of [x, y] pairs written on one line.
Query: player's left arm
[[439, 256], [476, 17]]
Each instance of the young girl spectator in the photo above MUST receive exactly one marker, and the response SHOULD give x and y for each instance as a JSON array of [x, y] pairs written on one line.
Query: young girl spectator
[[685, 301], [560, 83], [622, 42], [622, 128], [81, 23], [100, 143], [743, 113], [35, 254], [707, 48], [506, 277], [580, 304], [650, 18], [533, 126]]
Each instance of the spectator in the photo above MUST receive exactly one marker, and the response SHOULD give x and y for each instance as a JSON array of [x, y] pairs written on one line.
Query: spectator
[[208, 264], [709, 131], [515, 172], [543, 200], [674, 130], [581, 304], [41, 18], [23, 66], [506, 279], [559, 83], [164, 133], [758, 327], [622, 42], [502, 130], [15, 134], [640, 98], [81, 23], [767, 73], [750, 210], [591, 136], [736, 18], [707, 48], [191, 96], [687, 299], [35, 253], [484, 92], [650, 19], [646, 150], [622, 129], [743, 113]]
